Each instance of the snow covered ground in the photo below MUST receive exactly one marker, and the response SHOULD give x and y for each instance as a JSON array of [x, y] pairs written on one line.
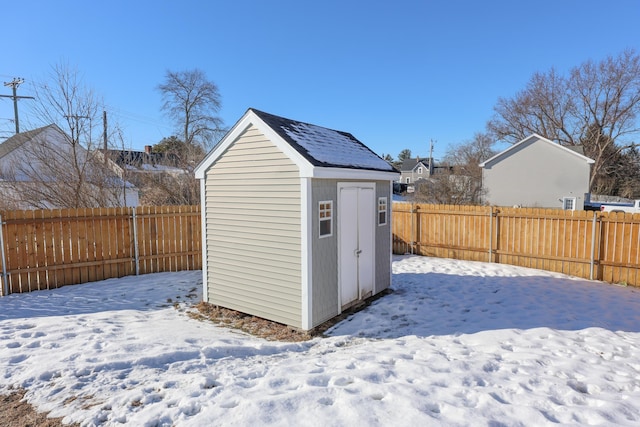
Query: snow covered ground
[[456, 343]]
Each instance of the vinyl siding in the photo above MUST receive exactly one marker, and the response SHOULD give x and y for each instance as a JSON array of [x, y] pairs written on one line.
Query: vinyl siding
[[253, 232], [536, 174], [325, 250], [325, 254], [383, 240]]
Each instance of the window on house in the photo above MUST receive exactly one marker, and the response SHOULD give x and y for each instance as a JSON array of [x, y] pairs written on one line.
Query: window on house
[[382, 210], [408, 180], [569, 203], [325, 215], [420, 170]]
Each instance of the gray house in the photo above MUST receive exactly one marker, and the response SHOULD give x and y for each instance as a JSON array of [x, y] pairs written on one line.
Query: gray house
[[537, 172], [414, 169], [296, 220]]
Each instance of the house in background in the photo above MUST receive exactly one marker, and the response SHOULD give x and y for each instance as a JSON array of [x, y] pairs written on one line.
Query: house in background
[[419, 171], [161, 177], [414, 169], [44, 168], [537, 172], [296, 220], [132, 164]]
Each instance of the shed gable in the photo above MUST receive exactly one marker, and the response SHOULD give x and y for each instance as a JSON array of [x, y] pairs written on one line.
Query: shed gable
[[253, 229]]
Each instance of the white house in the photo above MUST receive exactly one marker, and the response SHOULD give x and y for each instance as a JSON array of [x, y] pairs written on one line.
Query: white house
[[43, 168]]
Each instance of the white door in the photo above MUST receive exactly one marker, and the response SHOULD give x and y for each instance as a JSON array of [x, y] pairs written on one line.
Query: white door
[[356, 228]]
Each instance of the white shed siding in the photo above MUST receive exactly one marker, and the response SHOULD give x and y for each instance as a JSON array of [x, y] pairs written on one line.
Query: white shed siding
[[253, 232]]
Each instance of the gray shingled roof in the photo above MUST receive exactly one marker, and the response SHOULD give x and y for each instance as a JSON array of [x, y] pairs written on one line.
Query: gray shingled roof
[[18, 139], [325, 147], [410, 164]]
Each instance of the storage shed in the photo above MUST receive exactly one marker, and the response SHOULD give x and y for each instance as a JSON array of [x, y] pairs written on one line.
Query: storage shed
[[296, 220]]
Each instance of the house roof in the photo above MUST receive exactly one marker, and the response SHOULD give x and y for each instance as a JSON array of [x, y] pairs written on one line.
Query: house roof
[[314, 148], [411, 163], [18, 139], [528, 140], [143, 160]]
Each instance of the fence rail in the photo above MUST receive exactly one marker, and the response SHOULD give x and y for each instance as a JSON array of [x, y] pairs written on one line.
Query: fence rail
[[46, 249], [592, 245]]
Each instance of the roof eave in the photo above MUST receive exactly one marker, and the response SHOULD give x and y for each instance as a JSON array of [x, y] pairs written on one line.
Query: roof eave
[[349, 173]]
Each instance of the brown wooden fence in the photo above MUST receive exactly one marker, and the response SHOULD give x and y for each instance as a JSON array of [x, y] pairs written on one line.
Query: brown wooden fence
[[592, 245], [45, 249]]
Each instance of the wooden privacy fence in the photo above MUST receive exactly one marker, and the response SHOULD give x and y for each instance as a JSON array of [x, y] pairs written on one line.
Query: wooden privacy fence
[[587, 244], [45, 249]]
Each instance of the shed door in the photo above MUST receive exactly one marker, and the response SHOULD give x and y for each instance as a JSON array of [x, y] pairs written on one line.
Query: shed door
[[356, 219]]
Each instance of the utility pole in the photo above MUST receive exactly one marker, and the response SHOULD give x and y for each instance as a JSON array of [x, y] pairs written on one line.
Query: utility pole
[[14, 85], [431, 158], [104, 134]]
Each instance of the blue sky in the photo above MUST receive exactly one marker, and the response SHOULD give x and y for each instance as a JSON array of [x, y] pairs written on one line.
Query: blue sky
[[395, 74]]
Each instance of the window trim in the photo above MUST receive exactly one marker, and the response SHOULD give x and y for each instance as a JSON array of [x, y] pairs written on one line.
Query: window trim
[[327, 208], [383, 201], [573, 203]]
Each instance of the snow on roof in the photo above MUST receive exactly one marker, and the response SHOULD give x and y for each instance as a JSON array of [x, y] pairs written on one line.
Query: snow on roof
[[333, 147], [325, 147]]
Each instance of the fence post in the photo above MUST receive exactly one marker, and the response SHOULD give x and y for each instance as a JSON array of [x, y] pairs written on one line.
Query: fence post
[[490, 234], [5, 282], [593, 244], [135, 240], [413, 231]]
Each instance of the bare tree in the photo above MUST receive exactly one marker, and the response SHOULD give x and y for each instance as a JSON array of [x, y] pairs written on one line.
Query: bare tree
[[56, 165], [48, 170], [169, 189], [192, 102], [461, 181], [595, 106], [176, 184]]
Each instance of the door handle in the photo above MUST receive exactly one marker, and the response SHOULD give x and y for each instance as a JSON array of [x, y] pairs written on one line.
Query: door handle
[[357, 252]]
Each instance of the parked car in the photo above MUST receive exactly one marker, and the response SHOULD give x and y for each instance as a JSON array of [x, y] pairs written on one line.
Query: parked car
[[621, 207]]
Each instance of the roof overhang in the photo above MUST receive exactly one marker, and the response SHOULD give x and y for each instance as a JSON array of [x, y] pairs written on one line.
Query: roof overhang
[[346, 173]]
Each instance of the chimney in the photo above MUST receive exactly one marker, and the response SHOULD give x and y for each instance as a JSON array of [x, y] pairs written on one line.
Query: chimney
[[147, 149]]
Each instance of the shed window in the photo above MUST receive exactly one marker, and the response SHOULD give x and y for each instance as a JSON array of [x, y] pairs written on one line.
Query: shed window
[[325, 215], [382, 210]]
